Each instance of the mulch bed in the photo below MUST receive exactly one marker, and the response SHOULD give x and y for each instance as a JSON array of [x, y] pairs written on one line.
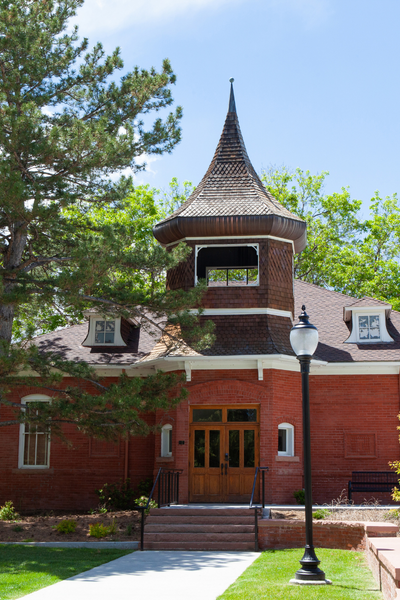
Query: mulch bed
[[41, 528]]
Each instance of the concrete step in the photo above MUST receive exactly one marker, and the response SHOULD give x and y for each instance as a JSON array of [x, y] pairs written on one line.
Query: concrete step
[[205, 546], [242, 520], [204, 537], [201, 528], [219, 512]]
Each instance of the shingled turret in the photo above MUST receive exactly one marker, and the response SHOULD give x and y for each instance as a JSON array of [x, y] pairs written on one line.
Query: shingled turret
[[231, 200]]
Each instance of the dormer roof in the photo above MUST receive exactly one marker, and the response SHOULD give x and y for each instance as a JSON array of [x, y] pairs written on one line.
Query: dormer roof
[[366, 302], [231, 199]]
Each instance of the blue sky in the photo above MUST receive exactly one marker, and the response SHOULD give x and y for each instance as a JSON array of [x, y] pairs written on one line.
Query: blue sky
[[316, 81]]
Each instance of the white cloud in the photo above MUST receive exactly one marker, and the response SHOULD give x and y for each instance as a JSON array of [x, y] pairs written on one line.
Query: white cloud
[[106, 16], [311, 12], [103, 15]]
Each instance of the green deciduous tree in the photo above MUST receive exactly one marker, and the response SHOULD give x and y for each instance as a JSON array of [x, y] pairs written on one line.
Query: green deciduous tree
[[355, 256]]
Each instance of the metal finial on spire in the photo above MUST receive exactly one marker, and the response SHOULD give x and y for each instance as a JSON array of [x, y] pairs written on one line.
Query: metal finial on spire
[[232, 105]]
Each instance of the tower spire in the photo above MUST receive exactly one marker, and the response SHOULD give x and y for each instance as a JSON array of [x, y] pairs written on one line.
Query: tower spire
[[232, 105]]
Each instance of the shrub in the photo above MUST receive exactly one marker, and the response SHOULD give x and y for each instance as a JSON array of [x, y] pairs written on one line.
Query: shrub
[[321, 513], [99, 530], [142, 501], [8, 512], [144, 487], [391, 514], [66, 526], [300, 496], [17, 528], [117, 496]]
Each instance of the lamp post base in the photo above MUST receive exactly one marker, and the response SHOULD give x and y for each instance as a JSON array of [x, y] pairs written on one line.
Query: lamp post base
[[303, 582], [310, 573]]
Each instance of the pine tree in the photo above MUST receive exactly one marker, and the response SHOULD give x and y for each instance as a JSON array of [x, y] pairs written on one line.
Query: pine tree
[[67, 128]]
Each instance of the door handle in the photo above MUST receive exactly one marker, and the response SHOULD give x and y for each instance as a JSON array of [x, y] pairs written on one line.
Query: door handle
[[226, 468], [222, 468]]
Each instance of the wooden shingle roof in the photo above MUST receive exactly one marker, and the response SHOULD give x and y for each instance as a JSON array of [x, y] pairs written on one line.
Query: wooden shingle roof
[[231, 199]]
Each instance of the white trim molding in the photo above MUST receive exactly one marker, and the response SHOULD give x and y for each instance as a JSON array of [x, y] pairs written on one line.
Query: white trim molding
[[358, 368], [231, 237], [276, 312], [259, 362]]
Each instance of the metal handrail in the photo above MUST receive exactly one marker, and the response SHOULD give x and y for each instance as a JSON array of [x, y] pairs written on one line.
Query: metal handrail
[[262, 469], [168, 491]]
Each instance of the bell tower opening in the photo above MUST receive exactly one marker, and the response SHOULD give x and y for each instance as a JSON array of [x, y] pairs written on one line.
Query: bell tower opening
[[229, 265]]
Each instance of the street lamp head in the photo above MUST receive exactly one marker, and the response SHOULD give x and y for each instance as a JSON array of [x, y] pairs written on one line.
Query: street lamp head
[[304, 336]]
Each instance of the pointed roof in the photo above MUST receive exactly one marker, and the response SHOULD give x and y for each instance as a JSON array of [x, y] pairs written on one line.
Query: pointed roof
[[231, 199]]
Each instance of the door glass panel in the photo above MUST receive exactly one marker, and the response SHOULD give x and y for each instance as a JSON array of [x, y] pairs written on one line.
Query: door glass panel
[[199, 448], [207, 415], [244, 415], [249, 448], [214, 448], [234, 453]]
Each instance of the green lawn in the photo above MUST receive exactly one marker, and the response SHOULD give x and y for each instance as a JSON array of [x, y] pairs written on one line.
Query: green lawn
[[268, 577], [24, 569]]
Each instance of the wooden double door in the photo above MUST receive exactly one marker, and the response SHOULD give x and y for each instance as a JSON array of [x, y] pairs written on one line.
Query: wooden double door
[[224, 451]]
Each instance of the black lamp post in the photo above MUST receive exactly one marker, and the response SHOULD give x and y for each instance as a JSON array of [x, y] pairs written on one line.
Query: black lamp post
[[304, 341]]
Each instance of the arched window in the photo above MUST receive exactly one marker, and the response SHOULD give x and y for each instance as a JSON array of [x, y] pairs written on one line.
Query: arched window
[[166, 440], [285, 439], [34, 441]]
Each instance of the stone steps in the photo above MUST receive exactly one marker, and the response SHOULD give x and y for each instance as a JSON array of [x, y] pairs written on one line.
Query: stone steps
[[204, 519], [199, 529], [204, 546]]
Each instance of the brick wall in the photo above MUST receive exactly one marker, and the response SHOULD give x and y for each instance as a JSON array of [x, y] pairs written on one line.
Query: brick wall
[[353, 427], [281, 533], [343, 409], [75, 472]]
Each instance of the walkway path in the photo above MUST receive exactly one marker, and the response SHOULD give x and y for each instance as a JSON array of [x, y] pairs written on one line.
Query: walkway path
[[165, 575]]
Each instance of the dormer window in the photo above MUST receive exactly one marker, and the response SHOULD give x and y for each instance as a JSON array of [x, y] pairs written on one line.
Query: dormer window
[[227, 266], [108, 332], [104, 332], [368, 318]]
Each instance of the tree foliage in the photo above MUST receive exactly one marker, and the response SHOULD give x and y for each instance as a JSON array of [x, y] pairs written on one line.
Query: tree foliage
[[346, 253], [74, 234]]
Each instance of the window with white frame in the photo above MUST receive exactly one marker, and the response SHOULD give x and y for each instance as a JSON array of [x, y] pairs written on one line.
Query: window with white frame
[[368, 327], [233, 265], [104, 332], [34, 441], [285, 439], [166, 440]]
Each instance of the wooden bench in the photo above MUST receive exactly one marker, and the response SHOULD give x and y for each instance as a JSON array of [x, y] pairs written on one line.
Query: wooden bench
[[372, 481]]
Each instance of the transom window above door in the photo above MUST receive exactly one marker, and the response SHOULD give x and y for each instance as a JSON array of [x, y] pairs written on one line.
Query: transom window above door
[[225, 415]]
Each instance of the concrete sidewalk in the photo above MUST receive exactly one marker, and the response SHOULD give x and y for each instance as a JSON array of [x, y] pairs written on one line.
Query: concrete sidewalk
[[159, 574]]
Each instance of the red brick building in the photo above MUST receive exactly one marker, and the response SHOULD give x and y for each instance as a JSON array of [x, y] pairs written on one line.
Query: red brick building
[[244, 403]]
